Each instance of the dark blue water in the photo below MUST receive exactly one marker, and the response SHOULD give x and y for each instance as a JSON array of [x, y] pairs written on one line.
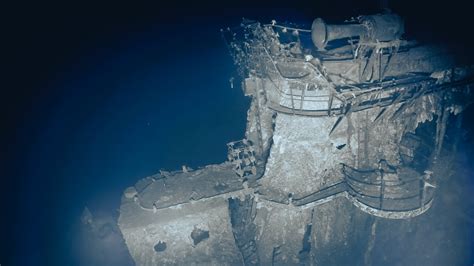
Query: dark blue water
[[120, 114], [110, 99]]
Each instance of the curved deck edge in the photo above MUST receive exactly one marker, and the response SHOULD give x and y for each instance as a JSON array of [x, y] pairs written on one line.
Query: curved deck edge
[[390, 214]]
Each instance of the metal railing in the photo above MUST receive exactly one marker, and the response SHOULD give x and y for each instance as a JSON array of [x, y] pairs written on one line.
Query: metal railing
[[388, 195]]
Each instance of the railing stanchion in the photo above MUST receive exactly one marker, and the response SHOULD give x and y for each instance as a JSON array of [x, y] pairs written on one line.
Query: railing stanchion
[[331, 98]]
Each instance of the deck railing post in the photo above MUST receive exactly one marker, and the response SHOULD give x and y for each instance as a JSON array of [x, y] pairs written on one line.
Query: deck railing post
[[292, 99], [302, 96], [331, 98]]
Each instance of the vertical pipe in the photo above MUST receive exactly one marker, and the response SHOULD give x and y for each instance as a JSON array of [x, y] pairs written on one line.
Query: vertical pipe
[[457, 134], [422, 192], [441, 131], [382, 189]]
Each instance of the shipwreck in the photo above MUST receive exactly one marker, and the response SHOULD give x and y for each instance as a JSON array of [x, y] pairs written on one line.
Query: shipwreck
[[346, 125]]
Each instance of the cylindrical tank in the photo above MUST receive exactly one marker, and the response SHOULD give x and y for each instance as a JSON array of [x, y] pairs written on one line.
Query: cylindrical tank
[[386, 27], [381, 27], [322, 33]]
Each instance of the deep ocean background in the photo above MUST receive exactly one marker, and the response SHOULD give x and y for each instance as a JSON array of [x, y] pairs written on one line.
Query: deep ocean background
[[97, 96]]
